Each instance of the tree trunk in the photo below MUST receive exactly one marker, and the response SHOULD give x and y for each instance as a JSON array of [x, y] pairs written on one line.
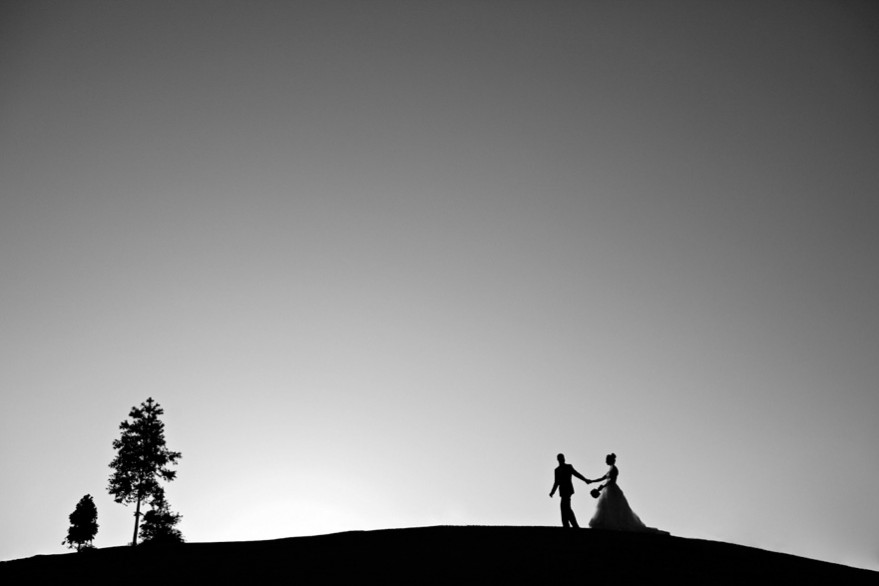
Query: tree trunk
[[136, 522]]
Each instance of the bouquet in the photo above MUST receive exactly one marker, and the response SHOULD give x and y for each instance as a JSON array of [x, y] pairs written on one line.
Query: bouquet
[[595, 492]]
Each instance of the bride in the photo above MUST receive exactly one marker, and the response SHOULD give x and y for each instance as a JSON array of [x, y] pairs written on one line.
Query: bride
[[612, 510]]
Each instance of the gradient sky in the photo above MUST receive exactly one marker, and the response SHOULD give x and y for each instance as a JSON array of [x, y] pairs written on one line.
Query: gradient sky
[[380, 261]]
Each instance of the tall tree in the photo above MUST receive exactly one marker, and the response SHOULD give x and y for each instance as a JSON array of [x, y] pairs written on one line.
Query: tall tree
[[83, 524], [142, 459]]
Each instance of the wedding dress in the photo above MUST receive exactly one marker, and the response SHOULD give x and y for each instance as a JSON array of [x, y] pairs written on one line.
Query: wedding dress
[[612, 510]]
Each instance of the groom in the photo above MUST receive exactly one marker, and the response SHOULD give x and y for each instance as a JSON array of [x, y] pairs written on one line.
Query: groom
[[565, 486]]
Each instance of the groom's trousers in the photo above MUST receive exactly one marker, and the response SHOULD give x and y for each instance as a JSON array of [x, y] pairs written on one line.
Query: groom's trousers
[[568, 517]]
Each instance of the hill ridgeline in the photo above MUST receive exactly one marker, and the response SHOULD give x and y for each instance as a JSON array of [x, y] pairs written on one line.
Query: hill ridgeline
[[438, 555]]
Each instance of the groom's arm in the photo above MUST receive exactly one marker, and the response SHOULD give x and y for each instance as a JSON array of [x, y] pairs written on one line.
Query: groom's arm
[[580, 476]]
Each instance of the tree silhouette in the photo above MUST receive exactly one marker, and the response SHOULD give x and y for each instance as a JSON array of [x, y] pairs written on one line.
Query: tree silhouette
[[83, 524], [142, 459], [159, 523]]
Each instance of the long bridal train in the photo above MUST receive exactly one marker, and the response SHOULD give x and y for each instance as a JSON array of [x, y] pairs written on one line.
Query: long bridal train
[[612, 511]]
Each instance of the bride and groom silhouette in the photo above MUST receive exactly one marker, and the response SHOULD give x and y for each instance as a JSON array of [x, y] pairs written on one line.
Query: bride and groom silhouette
[[612, 511]]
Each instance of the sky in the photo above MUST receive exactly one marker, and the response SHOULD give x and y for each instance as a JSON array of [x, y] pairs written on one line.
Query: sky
[[379, 262]]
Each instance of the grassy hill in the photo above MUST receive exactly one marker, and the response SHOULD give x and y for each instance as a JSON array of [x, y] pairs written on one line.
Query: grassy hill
[[437, 555]]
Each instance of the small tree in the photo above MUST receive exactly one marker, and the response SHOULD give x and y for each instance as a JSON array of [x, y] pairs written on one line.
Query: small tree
[[83, 525], [159, 523], [142, 459]]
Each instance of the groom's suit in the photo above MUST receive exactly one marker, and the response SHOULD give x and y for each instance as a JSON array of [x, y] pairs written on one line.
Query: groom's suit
[[565, 485]]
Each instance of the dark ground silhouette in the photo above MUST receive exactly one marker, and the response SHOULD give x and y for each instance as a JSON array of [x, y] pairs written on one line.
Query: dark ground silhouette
[[438, 555]]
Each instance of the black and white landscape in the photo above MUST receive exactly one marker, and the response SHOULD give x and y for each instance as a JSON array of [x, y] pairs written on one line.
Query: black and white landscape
[[381, 261]]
